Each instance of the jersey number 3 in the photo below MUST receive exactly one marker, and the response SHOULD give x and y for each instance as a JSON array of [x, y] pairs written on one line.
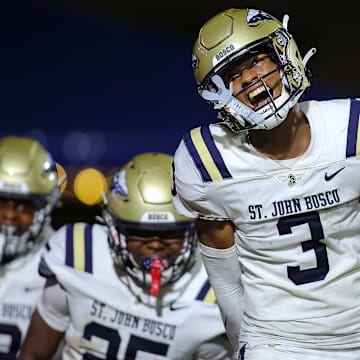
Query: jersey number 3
[[319, 272]]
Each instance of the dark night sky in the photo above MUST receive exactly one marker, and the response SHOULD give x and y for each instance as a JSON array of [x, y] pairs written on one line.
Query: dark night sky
[[98, 81]]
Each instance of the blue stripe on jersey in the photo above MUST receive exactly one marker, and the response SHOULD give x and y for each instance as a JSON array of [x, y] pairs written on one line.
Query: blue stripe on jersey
[[88, 248], [206, 293], [197, 160], [353, 146], [79, 247], [69, 246], [206, 155]]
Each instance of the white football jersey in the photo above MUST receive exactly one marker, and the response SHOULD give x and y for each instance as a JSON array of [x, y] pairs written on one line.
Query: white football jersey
[[106, 320], [20, 288], [297, 224]]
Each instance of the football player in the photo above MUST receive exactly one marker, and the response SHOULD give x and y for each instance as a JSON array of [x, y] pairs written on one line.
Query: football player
[[273, 185], [28, 193], [133, 288]]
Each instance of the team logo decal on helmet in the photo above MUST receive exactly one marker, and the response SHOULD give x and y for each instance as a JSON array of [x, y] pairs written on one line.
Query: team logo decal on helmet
[[118, 184], [256, 16]]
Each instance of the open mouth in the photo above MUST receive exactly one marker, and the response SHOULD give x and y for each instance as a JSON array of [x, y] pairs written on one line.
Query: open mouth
[[259, 97]]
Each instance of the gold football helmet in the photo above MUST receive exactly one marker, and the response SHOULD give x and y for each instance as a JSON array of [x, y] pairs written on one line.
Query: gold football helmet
[[231, 37], [28, 183], [139, 203]]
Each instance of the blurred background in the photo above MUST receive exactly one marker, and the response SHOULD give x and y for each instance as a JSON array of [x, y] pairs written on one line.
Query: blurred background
[[97, 82]]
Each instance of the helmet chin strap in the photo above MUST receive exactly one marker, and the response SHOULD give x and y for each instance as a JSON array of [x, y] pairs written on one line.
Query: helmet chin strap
[[278, 108], [241, 112], [236, 108]]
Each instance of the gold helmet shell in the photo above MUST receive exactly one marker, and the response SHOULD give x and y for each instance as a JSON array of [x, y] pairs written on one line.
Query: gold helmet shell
[[141, 190], [233, 33], [27, 172], [26, 168]]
